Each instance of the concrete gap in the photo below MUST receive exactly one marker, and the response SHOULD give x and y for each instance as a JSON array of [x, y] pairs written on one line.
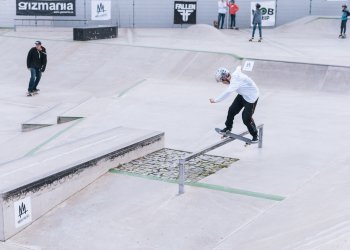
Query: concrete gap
[[163, 164]]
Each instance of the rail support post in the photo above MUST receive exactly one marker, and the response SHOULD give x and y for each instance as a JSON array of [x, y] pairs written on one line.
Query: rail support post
[[182, 176], [261, 133]]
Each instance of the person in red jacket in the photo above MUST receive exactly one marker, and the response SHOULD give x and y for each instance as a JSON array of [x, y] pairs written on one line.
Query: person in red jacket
[[233, 10]]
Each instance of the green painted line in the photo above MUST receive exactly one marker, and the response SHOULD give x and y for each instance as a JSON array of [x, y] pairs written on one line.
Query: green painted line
[[205, 185], [131, 87], [237, 191], [37, 148], [148, 177]]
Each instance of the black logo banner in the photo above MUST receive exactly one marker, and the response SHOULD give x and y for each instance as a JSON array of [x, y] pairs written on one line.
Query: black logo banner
[[45, 7], [185, 12]]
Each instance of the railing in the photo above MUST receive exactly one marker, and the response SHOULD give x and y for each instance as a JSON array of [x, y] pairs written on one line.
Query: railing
[[45, 22], [183, 161]]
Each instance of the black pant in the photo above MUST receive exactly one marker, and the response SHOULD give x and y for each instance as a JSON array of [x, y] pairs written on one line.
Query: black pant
[[247, 114], [343, 27], [233, 20], [35, 76]]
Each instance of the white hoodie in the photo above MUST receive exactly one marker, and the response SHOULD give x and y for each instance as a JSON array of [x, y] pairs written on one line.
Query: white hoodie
[[241, 84], [222, 7]]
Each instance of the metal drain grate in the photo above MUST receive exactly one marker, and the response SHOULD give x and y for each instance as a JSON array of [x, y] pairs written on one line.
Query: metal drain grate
[[163, 164]]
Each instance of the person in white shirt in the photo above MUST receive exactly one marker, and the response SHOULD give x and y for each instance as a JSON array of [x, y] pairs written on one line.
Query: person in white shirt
[[247, 98], [222, 5]]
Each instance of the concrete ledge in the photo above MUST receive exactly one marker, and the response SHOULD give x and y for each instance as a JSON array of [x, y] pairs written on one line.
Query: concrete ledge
[[32, 186], [46, 118], [64, 119], [30, 127]]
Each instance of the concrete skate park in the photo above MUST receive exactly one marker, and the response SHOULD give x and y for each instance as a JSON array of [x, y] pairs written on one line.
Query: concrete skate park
[[108, 102]]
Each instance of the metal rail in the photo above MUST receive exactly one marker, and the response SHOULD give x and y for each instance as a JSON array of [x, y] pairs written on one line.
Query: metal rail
[[183, 161], [44, 22]]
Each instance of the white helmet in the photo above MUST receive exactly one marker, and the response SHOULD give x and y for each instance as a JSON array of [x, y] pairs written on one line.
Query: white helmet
[[221, 73]]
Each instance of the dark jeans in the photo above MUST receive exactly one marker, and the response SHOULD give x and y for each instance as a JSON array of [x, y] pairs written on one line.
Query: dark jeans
[[35, 75], [233, 20], [343, 27], [247, 114], [254, 28], [222, 18]]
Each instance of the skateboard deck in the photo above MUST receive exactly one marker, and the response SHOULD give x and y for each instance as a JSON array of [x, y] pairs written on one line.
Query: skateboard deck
[[235, 136]]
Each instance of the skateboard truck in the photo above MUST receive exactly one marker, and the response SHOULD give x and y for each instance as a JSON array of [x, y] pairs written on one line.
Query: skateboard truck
[[234, 136]]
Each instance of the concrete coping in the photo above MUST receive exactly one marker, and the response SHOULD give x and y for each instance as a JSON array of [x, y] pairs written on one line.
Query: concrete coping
[[31, 172]]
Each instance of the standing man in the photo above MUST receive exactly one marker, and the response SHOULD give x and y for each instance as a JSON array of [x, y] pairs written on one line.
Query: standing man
[[257, 19], [36, 64], [344, 19], [247, 98], [222, 4], [233, 10]]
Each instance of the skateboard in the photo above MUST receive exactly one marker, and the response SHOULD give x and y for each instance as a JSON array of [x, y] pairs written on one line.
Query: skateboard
[[234, 136], [252, 40]]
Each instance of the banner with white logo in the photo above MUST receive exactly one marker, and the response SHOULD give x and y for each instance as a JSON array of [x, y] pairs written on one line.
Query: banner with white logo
[[23, 212], [248, 66], [185, 12], [101, 10], [45, 8], [268, 11]]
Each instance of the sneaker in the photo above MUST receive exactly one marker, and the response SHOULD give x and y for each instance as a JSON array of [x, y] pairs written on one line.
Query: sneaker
[[36, 90], [29, 94], [225, 130], [251, 39], [255, 139], [340, 36]]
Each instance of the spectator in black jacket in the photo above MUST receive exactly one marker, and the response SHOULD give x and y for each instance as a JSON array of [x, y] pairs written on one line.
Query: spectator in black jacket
[[36, 63]]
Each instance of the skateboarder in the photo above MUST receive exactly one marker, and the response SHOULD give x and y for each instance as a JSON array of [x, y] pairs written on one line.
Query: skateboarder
[[257, 19], [36, 64], [247, 98], [344, 19]]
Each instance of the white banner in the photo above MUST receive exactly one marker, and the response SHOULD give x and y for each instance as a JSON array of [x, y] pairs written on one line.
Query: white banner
[[101, 10], [248, 66], [268, 11], [23, 212]]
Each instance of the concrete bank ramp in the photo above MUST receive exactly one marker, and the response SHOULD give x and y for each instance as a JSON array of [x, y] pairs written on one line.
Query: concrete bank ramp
[[301, 76], [31, 186], [312, 25]]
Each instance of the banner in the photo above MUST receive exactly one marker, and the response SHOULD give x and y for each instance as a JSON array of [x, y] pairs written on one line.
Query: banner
[[101, 10], [45, 8], [185, 12], [268, 11]]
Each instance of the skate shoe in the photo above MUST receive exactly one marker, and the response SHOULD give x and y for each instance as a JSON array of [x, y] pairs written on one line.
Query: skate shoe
[[225, 131], [255, 139]]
